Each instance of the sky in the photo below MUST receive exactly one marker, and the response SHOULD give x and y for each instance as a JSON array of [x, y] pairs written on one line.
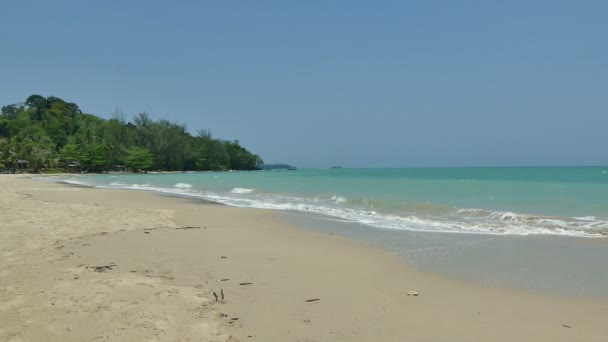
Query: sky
[[325, 83]]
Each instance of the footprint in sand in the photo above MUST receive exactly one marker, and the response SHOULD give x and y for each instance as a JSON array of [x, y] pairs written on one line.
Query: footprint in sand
[[14, 303], [161, 325]]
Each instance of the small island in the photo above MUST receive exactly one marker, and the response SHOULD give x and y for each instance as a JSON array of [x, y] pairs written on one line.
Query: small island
[[268, 167]]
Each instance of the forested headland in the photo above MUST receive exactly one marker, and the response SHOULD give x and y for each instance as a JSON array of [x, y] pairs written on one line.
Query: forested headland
[[52, 134]]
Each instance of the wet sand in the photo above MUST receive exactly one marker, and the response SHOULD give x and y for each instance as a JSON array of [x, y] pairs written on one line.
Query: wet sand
[[543, 264], [89, 264]]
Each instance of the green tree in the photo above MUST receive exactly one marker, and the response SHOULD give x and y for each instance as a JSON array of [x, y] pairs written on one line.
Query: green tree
[[10, 111], [35, 101], [47, 130], [37, 104], [69, 154], [148, 136], [174, 148], [4, 128], [138, 158], [4, 151], [95, 158], [211, 153], [118, 136], [240, 158], [40, 155]]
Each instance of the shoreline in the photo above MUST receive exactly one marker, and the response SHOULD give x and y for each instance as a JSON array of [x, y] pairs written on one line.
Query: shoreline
[[491, 260], [172, 272], [569, 264], [490, 221]]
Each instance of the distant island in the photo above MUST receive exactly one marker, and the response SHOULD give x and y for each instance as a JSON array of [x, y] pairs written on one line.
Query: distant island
[[276, 167], [50, 134]]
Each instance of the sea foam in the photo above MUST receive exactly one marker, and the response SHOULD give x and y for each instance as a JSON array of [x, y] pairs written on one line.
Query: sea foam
[[242, 191], [413, 217]]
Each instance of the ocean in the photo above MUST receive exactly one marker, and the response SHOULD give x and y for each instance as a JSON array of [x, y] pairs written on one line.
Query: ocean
[[566, 201]]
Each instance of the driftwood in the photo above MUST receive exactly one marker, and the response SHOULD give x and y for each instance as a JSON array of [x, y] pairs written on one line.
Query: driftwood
[[222, 293], [102, 268], [187, 227], [566, 326], [245, 283], [313, 300], [215, 295]]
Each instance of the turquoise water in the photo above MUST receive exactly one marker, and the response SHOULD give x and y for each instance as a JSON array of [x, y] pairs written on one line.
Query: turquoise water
[[509, 201]]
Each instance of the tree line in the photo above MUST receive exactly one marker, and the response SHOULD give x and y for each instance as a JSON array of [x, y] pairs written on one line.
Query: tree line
[[50, 133]]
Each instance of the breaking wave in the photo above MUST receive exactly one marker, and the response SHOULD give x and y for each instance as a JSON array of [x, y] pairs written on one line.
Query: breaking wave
[[242, 191], [382, 213]]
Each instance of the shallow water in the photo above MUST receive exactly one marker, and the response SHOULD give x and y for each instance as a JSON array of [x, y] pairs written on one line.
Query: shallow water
[[570, 201], [541, 264]]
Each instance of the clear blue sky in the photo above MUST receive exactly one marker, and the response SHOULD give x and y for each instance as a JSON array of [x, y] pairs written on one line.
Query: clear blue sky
[[321, 83]]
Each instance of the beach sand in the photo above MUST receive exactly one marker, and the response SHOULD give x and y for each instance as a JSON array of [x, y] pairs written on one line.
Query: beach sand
[[114, 265]]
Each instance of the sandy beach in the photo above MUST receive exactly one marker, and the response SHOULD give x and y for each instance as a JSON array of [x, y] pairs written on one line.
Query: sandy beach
[[81, 264]]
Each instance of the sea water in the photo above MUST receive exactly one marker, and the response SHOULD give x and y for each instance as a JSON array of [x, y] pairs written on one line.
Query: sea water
[[567, 201]]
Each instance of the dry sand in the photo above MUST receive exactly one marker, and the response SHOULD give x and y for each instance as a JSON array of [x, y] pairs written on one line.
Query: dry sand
[[80, 264]]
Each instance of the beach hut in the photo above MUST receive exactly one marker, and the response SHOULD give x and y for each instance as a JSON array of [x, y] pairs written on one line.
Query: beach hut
[[73, 166], [119, 168], [22, 164]]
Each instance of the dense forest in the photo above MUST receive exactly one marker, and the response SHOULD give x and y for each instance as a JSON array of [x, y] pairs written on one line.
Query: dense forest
[[49, 133]]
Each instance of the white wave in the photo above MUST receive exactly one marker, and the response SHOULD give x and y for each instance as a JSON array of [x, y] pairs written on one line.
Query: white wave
[[339, 199], [505, 216], [75, 182], [526, 224], [471, 220], [506, 224], [470, 210], [242, 191], [586, 218]]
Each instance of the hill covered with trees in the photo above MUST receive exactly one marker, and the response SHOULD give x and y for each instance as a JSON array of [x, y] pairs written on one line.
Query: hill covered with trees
[[50, 133]]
